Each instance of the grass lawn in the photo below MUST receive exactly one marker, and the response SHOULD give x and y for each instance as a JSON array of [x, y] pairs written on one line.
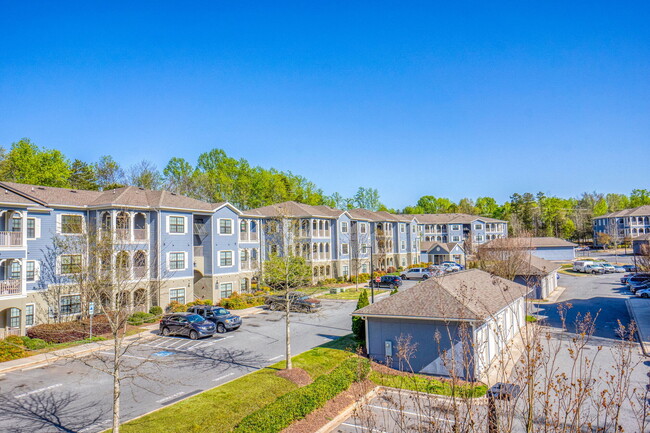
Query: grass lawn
[[221, 408], [426, 384], [350, 294]]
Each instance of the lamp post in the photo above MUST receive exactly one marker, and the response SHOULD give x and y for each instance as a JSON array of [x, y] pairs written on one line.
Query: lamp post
[[372, 276]]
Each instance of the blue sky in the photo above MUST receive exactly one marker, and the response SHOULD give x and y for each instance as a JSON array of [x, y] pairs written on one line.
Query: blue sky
[[452, 99]]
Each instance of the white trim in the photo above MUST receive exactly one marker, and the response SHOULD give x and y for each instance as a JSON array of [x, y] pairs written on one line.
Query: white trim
[[33, 314], [232, 225], [59, 224], [347, 227], [185, 261], [58, 263], [168, 226], [169, 294], [232, 257], [348, 252]]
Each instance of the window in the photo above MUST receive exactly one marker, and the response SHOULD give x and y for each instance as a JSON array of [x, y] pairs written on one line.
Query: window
[[403, 262], [344, 227], [479, 238], [364, 268], [29, 314], [70, 264], [71, 304], [226, 290], [177, 295], [30, 270], [364, 249], [243, 227], [346, 270], [243, 284], [402, 228], [176, 224], [345, 249], [225, 258], [14, 270], [412, 228], [31, 228], [363, 228], [455, 238], [403, 245], [71, 224], [455, 227], [14, 318], [478, 226], [225, 226], [176, 261]]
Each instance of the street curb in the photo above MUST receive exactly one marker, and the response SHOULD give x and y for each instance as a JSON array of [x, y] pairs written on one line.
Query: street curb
[[631, 312], [552, 299], [342, 416], [51, 357]]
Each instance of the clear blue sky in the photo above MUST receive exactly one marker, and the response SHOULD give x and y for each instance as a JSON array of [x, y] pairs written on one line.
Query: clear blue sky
[[454, 101]]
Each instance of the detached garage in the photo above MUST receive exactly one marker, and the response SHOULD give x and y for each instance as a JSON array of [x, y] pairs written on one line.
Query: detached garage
[[455, 325], [547, 248], [538, 274]]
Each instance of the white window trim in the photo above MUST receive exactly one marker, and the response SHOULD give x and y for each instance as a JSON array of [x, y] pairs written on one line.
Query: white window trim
[[66, 296], [58, 263], [169, 269], [37, 269], [403, 245], [59, 224], [169, 293], [402, 228], [344, 253], [363, 228], [232, 225], [455, 227], [346, 225], [33, 315], [37, 228], [169, 226], [232, 255]]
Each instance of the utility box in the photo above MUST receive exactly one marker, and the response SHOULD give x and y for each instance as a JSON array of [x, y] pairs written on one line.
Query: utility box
[[388, 349]]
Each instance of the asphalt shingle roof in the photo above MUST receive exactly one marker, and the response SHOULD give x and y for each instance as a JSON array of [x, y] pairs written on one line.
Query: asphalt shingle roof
[[529, 242], [637, 211], [452, 218], [471, 295]]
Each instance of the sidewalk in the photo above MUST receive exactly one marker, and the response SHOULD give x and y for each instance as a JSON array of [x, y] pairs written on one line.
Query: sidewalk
[[639, 310]]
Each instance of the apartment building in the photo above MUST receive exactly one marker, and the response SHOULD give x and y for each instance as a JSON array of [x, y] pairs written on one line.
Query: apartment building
[[626, 223], [456, 228], [171, 247]]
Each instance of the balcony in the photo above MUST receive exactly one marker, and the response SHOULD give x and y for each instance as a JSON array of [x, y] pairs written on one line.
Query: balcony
[[139, 272], [10, 287], [248, 237], [11, 239], [248, 265], [140, 234]]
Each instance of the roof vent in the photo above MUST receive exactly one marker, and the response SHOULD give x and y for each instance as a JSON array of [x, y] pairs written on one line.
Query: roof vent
[[72, 190], [114, 192], [172, 193], [41, 187], [32, 188]]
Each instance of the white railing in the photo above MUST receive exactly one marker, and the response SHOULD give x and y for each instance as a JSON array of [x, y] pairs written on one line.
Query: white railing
[[139, 271], [140, 234], [11, 239], [10, 287]]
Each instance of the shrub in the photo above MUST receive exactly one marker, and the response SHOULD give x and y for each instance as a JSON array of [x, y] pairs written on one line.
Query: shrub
[[15, 339], [297, 404], [156, 310], [34, 343], [10, 350], [362, 277], [176, 307], [141, 317], [358, 324], [69, 331], [239, 301], [391, 269], [199, 302]]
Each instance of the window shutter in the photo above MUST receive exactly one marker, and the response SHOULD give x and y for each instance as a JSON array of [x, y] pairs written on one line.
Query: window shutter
[[37, 228], [37, 270], [185, 260], [58, 223]]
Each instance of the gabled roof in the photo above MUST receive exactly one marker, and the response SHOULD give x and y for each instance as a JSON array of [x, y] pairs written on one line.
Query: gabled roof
[[453, 218], [471, 295], [380, 216], [128, 196], [296, 210], [10, 198], [534, 265], [529, 242], [447, 247], [637, 211]]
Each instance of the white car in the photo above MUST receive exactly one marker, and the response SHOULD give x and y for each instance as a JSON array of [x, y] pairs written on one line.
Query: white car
[[608, 268], [580, 265], [645, 293], [417, 274]]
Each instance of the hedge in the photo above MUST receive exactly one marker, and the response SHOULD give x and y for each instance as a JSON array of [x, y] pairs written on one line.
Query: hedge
[[140, 318], [12, 348], [246, 300], [69, 331], [299, 403]]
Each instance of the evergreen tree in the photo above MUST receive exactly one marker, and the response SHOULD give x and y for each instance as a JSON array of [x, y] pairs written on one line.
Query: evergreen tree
[[83, 176], [358, 324]]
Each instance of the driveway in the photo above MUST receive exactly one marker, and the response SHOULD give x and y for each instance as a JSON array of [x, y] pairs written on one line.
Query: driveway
[[71, 396]]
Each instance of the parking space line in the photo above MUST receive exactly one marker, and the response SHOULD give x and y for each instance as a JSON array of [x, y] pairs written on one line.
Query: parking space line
[[36, 391], [362, 427], [276, 357], [127, 356], [222, 377], [409, 413], [184, 344]]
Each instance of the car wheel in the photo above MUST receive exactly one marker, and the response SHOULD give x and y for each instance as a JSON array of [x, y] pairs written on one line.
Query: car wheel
[[221, 328], [403, 277], [194, 335], [645, 295], [424, 277], [166, 332]]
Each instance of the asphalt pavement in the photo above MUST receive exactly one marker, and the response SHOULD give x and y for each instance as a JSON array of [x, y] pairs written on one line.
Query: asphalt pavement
[[71, 396]]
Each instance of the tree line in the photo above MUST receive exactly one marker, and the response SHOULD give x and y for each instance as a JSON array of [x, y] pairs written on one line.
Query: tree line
[[218, 177]]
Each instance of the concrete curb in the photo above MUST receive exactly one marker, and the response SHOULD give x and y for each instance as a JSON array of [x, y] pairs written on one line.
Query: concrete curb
[[645, 344], [342, 416], [553, 297], [67, 353]]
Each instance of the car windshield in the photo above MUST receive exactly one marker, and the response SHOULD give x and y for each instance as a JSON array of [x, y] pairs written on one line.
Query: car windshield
[[304, 298], [220, 311], [194, 318]]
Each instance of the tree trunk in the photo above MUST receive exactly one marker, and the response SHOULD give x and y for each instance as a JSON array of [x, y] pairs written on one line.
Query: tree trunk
[[288, 331], [116, 385]]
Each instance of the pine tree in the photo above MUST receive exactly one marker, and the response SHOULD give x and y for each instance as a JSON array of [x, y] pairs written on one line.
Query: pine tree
[[358, 324]]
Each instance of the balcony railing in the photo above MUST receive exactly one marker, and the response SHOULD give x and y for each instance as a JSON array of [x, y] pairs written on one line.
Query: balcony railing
[[248, 236], [10, 287], [140, 234], [246, 265], [122, 234], [11, 239], [139, 271]]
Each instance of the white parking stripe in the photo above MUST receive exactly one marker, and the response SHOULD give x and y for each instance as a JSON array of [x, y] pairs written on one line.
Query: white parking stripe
[[222, 377], [36, 391], [410, 413], [184, 344], [127, 356], [276, 357]]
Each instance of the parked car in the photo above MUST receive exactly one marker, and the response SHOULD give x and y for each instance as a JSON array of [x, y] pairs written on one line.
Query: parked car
[[630, 268], [453, 266], [504, 391], [298, 301], [640, 286], [619, 269], [643, 293], [417, 274], [222, 318], [389, 281], [186, 324], [637, 278], [579, 265], [594, 269], [609, 268]]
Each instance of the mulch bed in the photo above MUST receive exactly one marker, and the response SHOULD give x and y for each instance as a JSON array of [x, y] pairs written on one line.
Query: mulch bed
[[297, 375], [332, 408]]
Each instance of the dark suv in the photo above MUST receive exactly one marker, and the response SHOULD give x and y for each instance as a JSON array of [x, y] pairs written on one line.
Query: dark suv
[[297, 300], [222, 318], [390, 281], [186, 324]]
